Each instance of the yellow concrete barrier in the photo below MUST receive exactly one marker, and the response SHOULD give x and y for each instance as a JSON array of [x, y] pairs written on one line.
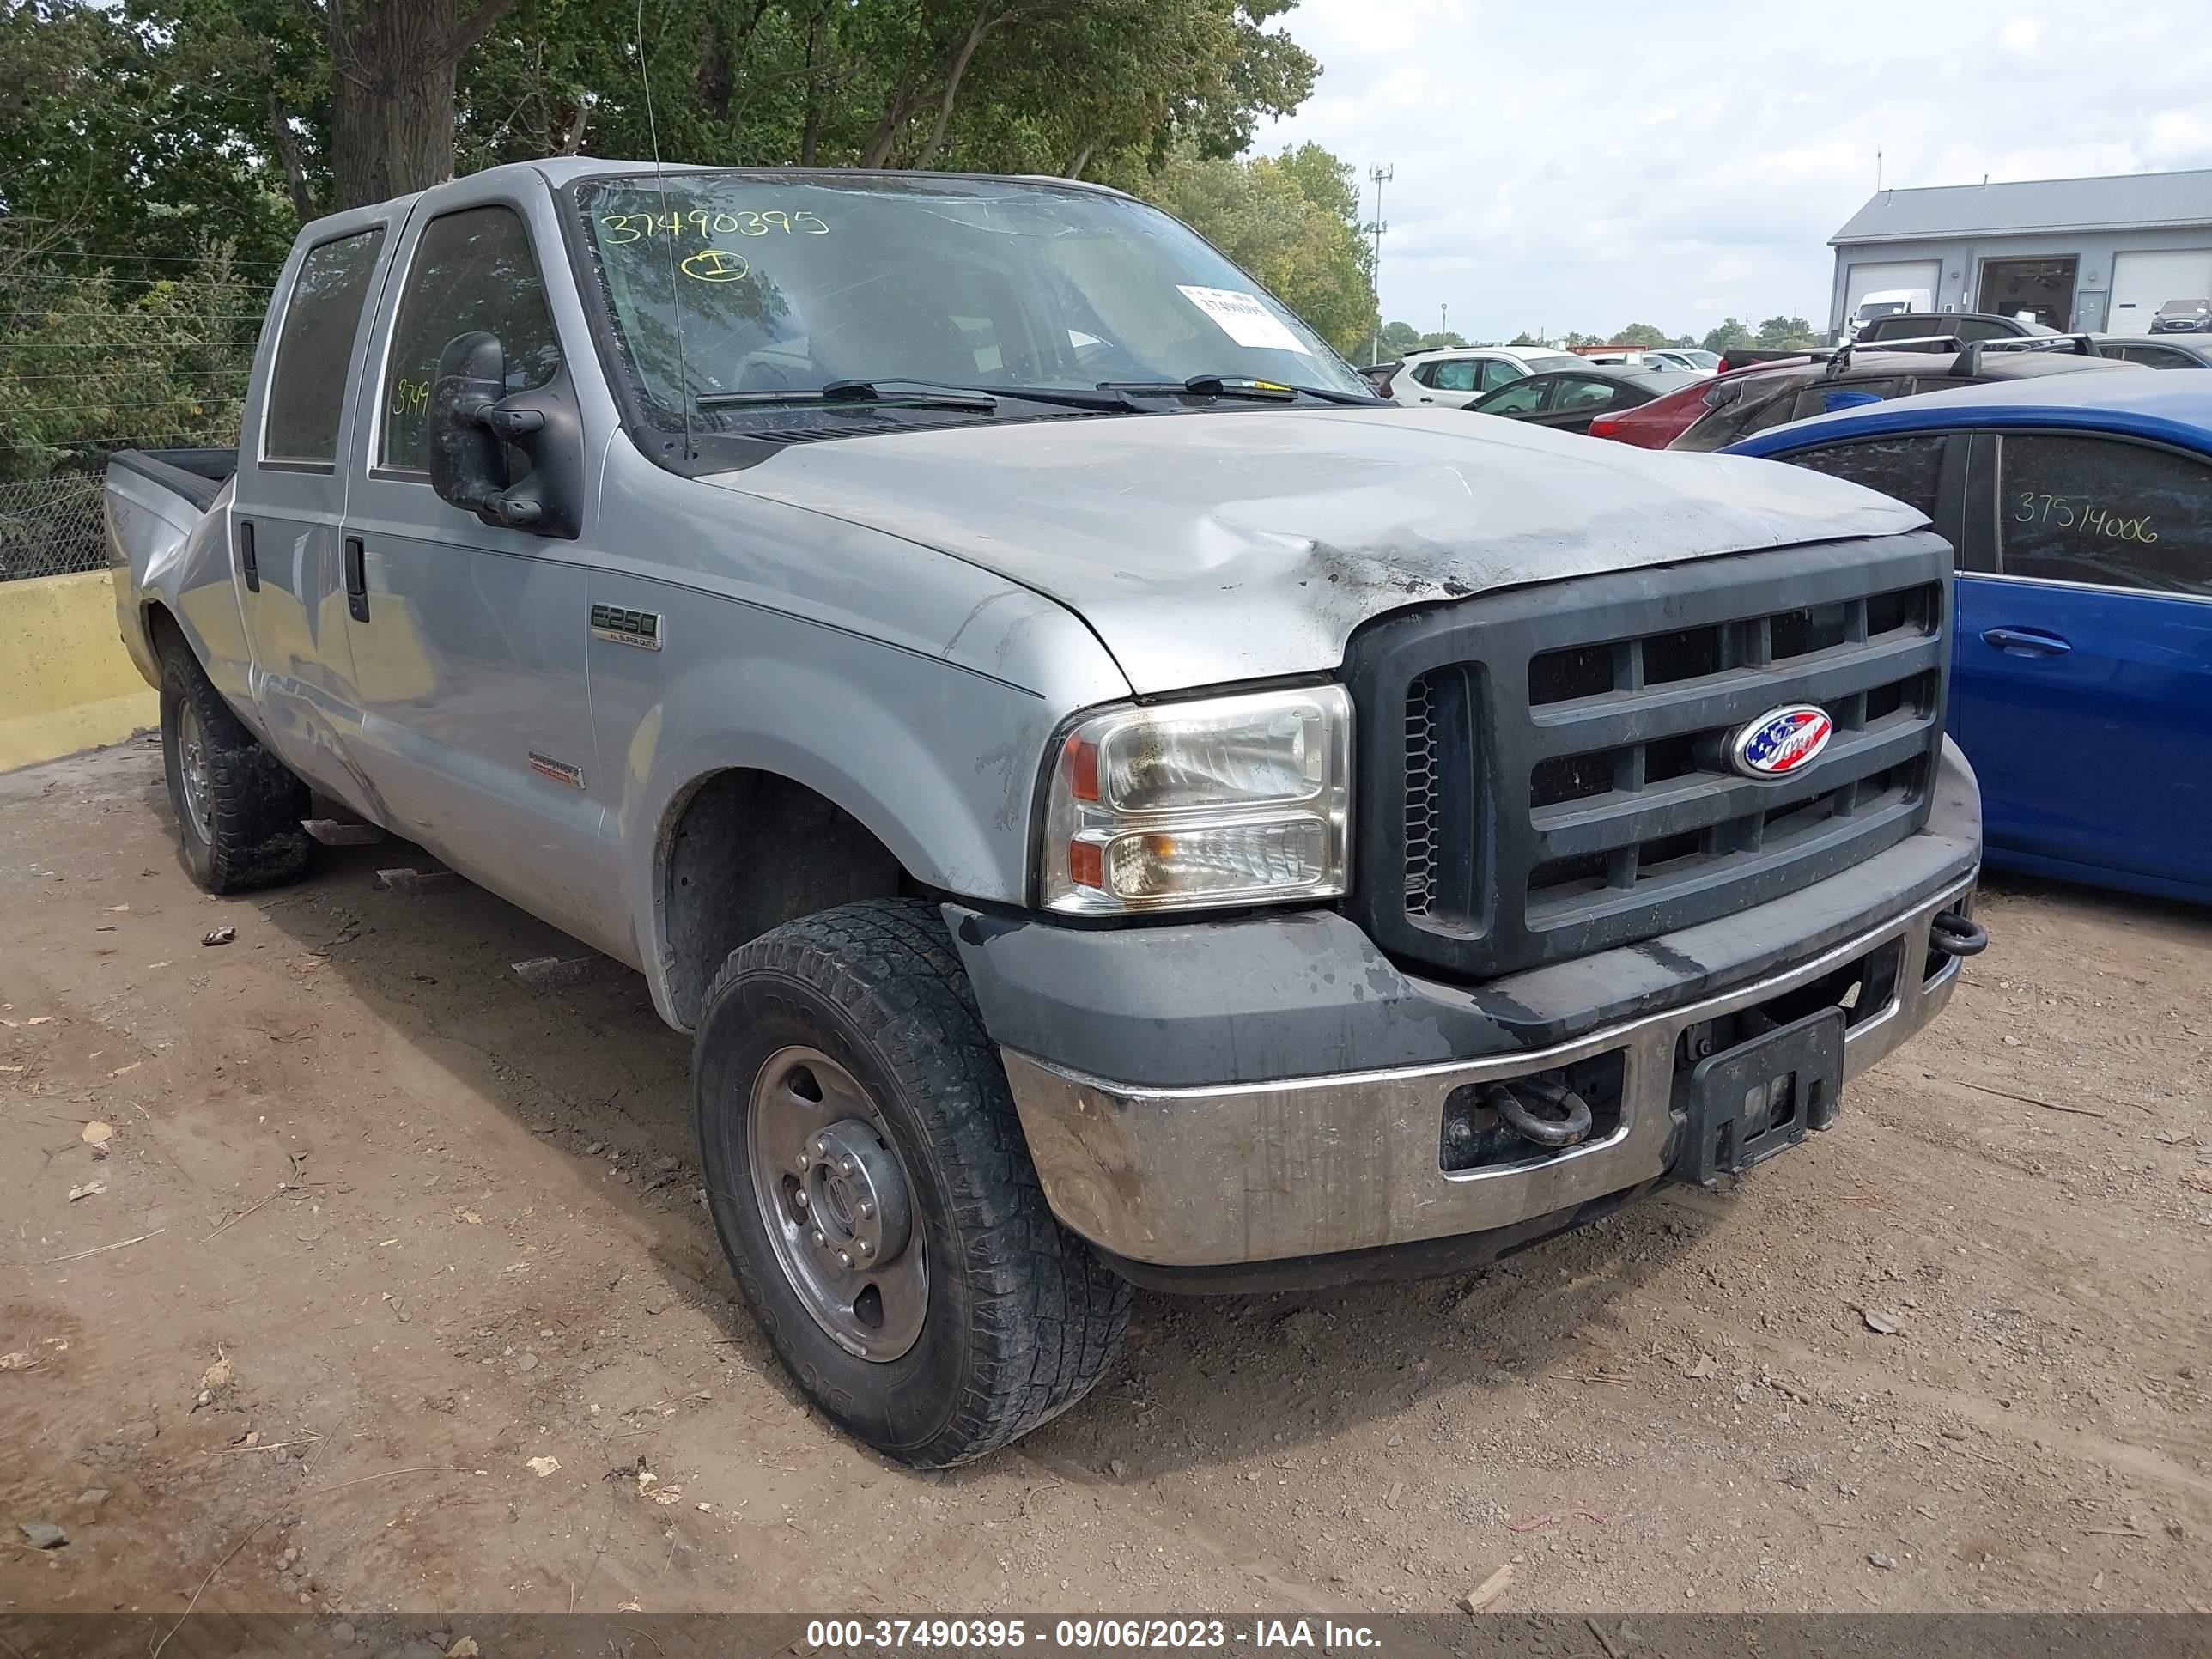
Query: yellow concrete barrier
[[66, 683]]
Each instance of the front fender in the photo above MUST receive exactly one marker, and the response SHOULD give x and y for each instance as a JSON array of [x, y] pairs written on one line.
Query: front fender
[[937, 760]]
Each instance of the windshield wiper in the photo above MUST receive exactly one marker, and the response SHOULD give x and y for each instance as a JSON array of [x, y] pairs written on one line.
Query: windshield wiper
[[924, 395], [1231, 385]]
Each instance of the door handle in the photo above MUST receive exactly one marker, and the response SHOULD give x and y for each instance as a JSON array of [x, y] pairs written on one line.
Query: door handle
[[2025, 642], [248, 565], [357, 580]]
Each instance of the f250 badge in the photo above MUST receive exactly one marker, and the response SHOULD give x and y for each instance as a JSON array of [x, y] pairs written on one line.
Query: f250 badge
[[1781, 741]]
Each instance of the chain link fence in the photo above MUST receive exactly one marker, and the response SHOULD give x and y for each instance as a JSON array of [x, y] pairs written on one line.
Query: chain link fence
[[52, 527], [138, 351]]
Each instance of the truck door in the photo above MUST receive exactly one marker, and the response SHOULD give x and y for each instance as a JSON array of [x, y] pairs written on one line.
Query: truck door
[[2083, 685], [290, 500], [468, 639]]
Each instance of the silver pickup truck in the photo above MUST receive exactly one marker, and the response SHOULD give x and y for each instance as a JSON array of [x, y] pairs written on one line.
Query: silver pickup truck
[[1112, 800]]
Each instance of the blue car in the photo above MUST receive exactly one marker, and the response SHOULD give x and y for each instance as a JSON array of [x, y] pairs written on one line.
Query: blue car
[[2081, 507]]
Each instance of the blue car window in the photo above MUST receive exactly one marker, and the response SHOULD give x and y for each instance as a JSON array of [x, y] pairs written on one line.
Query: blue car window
[[1907, 468], [2105, 513]]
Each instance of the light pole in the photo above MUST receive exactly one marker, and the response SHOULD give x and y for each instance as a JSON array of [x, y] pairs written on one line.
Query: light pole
[[1378, 176], [1443, 316]]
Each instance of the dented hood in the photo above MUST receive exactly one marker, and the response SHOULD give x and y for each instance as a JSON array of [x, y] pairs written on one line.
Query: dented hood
[[1212, 547]]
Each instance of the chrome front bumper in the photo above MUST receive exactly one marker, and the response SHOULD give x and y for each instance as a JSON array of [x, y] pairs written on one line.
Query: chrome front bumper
[[1258, 1172]]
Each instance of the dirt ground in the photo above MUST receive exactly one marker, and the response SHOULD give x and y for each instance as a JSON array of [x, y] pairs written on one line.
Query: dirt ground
[[393, 1292]]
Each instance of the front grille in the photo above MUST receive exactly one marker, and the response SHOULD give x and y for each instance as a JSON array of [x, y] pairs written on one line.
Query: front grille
[[1549, 777]]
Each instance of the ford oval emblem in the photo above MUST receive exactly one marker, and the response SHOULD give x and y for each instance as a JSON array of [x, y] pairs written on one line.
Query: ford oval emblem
[[1781, 741]]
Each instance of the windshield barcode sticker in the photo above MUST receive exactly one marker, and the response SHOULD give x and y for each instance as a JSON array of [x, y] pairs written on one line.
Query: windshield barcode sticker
[[1244, 319]]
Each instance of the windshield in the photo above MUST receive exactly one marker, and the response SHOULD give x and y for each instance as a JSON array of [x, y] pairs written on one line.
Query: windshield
[[723, 283]]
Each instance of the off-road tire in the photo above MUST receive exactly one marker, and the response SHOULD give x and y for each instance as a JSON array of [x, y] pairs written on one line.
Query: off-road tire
[[1022, 1317], [252, 838]]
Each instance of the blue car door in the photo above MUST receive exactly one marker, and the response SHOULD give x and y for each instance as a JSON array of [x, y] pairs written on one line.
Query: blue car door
[[2081, 685]]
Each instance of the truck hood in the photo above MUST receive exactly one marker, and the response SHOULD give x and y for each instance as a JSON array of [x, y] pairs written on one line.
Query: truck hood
[[1206, 548]]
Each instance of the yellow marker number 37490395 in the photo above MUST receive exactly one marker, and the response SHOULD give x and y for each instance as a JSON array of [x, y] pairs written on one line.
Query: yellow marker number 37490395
[[620, 228]]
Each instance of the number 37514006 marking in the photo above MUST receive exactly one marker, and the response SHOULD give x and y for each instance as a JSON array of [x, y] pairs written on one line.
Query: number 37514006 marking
[[2069, 512]]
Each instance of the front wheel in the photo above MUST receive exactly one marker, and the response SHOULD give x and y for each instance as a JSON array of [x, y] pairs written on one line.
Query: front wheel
[[868, 1177]]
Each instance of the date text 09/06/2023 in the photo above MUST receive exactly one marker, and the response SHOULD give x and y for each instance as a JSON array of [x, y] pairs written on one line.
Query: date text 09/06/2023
[[1121, 1635]]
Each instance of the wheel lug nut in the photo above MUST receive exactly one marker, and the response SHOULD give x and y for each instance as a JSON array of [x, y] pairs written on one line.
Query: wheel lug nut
[[820, 1238], [804, 1162], [866, 1248], [867, 1211], [845, 1256], [798, 1198]]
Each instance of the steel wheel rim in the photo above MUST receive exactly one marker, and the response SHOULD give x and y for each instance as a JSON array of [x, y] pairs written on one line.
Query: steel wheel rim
[[824, 1168], [194, 771]]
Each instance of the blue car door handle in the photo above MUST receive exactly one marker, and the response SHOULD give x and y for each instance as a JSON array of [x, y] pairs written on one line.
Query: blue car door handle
[[2026, 641]]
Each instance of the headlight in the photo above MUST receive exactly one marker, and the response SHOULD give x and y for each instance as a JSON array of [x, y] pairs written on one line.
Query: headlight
[[1227, 800]]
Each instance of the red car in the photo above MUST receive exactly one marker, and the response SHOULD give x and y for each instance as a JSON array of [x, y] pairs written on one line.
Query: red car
[[1656, 424]]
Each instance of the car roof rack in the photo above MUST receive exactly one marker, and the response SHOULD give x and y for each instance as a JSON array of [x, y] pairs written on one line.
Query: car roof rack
[[1969, 360], [1841, 359]]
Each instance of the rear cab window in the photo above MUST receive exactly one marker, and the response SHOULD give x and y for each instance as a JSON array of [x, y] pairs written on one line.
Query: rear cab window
[[2104, 512], [307, 387], [473, 269]]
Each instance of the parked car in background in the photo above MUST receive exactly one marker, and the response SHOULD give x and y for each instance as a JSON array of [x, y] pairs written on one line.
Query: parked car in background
[[2166, 351], [1378, 376], [1454, 379], [1886, 302], [1569, 400], [1693, 358], [2081, 509], [1719, 412], [2183, 317], [1924, 325]]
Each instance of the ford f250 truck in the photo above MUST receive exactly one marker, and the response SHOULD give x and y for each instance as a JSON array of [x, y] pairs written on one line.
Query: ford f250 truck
[[1113, 801]]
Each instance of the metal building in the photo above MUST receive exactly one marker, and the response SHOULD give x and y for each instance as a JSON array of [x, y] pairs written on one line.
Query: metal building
[[2080, 254]]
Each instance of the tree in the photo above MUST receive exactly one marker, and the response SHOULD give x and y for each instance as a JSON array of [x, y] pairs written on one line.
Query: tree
[[1525, 338], [1289, 221], [1777, 332], [1399, 338], [392, 69], [1446, 341], [1730, 335], [1640, 335]]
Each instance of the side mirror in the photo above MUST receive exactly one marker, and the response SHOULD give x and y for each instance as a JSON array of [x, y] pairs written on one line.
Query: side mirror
[[468, 464], [473, 420]]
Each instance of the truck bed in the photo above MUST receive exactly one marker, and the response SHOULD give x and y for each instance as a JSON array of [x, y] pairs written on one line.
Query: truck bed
[[195, 474]]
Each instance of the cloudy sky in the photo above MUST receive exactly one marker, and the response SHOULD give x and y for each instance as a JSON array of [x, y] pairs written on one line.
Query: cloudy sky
[[1587, 163]]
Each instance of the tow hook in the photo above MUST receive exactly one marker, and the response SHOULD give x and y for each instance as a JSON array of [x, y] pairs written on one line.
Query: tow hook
[[1538, 1109], [1951, 934]]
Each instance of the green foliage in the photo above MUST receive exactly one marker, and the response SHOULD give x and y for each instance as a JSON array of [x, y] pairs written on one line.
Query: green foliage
[[1640, 335], [1399, 338], [1446, 341], [118, 356], [1777, 332], [1730, 334], [1525, 338], [1291, 221]]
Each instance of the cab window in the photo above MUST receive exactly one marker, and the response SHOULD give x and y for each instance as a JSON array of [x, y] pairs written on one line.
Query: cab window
[[2104, 514], [1497, 372], [1455, 376], [316, 343], [472, 270]]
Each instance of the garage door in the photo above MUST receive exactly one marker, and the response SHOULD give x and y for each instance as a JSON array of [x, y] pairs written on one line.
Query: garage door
[[1873, 279], [2144, 281]]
